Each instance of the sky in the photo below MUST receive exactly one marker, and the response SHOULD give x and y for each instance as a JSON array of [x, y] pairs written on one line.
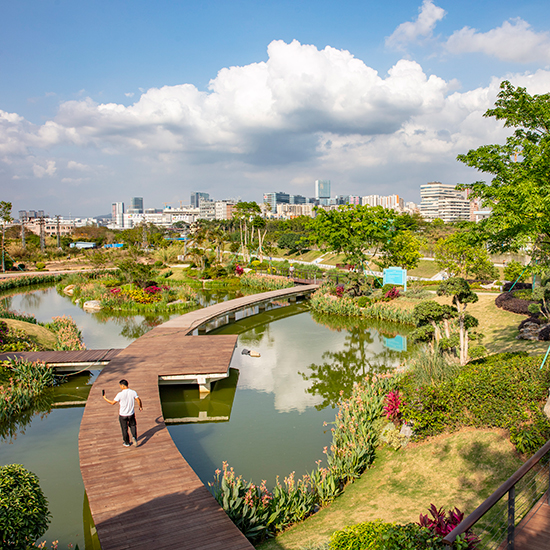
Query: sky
[[102, 101]]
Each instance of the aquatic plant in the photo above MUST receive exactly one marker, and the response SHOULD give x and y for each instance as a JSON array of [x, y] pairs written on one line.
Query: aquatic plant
[[68, 335], [265, 282], [259, 513]]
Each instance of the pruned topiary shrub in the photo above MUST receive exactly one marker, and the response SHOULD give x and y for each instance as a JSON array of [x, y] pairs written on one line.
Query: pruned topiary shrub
[[544, 333]]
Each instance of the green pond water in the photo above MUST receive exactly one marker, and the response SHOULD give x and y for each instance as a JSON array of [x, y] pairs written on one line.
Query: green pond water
[[265, 420]]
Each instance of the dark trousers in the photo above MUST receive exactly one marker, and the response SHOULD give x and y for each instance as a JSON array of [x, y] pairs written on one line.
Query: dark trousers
[[125, 422]]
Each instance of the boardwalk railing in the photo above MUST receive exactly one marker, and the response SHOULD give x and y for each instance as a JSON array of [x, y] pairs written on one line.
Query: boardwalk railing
[[495, 520]]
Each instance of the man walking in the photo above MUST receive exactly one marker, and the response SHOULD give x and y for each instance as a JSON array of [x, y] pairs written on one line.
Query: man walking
[[126, 415]]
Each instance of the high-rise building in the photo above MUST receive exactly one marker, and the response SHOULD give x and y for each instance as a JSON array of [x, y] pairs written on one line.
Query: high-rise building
[[117, 214], [273, 199], [440, 200], [136, 206], [197, 196], [322, 191]]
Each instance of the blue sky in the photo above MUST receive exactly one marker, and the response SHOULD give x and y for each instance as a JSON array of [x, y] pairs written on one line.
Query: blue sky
[[101, 101]]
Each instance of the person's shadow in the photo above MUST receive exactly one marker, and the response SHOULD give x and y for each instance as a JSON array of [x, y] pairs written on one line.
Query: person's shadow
[[146, 436]]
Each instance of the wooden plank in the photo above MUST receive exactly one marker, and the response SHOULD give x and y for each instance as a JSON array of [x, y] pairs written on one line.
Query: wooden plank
[[149, 497]]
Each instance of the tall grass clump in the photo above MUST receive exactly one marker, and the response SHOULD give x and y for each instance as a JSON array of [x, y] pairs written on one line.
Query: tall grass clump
[[332, 305], [385, 312], [431, 368], [265, 282], [260, 513]]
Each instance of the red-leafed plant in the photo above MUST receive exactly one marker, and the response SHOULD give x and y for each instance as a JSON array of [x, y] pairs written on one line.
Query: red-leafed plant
[[442, 523], [391, 408], [392, 293], [239, 270], [339, 291]]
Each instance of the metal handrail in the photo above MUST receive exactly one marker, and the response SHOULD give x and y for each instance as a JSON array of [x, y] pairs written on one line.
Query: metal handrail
[[507, 487]]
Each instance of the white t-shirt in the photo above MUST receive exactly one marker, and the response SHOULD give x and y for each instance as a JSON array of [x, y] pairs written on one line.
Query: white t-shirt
[[126, 399]]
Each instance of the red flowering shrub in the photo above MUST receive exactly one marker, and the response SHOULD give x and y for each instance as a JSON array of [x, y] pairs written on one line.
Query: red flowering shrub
[[339, 291], [442, 523], [392, 293], [391, 408], [239, 270]]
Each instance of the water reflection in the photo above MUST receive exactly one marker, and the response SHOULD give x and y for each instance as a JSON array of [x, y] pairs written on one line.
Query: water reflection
[[365, 351], [184, 404]]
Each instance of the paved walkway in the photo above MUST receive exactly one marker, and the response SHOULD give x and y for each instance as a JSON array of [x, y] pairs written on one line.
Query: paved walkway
[[148, 497]]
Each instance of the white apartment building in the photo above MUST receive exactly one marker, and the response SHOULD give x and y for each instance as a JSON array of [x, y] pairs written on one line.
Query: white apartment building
[[440, 200], [287, 211], [224, 209], [393, 202], [207, 210]]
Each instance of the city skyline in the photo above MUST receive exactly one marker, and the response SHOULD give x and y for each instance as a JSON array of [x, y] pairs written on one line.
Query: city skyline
[[240, 99]]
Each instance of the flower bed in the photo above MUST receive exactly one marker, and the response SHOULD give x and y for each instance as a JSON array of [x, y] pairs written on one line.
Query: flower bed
[[131, 297]]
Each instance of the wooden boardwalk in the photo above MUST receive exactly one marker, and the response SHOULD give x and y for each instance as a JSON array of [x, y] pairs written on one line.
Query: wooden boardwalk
[[149, 497], [533, 532]]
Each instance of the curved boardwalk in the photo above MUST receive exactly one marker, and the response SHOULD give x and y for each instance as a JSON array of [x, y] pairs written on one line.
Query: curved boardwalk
[[149, 497]]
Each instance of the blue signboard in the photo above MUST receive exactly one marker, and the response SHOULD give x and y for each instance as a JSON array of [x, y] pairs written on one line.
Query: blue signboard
[[395, 276], [399, 343]]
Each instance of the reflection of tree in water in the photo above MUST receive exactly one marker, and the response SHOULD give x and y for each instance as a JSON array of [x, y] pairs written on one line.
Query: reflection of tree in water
[[132, 326], [7, 302], [344, 368], [15, 425], [31, 300], [256, 334]]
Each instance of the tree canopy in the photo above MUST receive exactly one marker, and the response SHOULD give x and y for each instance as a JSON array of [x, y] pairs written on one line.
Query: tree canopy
[[356, 231], [519, 193]]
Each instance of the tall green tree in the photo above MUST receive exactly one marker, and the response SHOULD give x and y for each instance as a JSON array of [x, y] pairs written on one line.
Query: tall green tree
[[519, 191], [402, 250], [460, 257], [5, 218], [359, 232]]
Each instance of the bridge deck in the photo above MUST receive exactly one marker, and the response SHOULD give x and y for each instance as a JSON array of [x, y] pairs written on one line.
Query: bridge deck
[[58, 357], [149, 497]]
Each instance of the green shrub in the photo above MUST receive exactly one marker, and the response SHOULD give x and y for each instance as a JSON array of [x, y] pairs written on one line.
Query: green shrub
[[40, 265], [506, 391], [362, 301], [24, 514], [377, 535]]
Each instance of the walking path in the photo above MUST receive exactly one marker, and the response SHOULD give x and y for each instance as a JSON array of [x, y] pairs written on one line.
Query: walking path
[[149, 497]]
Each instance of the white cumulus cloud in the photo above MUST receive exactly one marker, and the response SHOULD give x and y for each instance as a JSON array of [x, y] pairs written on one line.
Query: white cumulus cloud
[[421, 28], [44, 169], [514, 40]]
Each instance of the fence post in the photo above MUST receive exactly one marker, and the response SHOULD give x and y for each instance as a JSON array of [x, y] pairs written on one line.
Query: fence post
[[511, 517]]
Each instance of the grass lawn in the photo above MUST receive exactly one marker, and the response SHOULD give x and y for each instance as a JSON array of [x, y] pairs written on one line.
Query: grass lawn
[[425, 269], [460, 469], [41, 334]]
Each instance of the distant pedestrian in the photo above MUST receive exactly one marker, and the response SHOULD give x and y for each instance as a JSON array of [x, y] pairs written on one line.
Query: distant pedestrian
[[291, 272], [126, 414]]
